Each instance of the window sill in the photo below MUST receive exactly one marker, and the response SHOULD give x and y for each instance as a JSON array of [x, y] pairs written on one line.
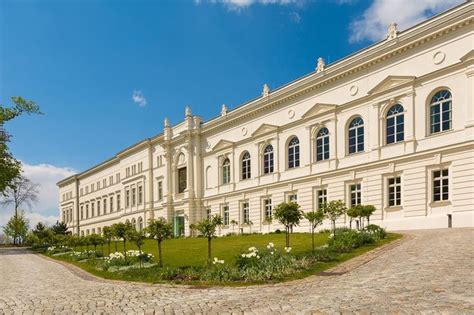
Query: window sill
[[440, 133], [442, 203], [355, 153], [393, 208]]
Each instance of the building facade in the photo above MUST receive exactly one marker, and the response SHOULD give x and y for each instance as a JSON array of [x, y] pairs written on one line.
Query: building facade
[[391, 125]]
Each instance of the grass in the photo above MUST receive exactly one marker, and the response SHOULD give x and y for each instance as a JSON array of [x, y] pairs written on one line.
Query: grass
[[185, 252]]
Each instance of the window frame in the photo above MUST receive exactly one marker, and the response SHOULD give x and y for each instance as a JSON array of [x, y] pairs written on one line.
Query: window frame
[[293, 153], [396, 125], [359, 130], [440, 103], [246, 167], [225, 171], [441, 178], [397, 190], [268, 160], [324, 154]]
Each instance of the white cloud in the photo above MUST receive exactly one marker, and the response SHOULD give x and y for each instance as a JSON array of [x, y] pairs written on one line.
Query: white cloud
[[295, 17], [46, 176], [373, 23], [238, 5], [138, 98]]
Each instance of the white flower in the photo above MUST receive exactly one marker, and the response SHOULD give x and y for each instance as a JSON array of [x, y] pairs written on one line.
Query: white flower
[[287, 249], [243, 255], [258, 257], [270, 245], [271, 253]]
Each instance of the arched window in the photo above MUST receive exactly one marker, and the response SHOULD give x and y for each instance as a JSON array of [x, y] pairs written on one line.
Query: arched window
[[294, 153], [226, 171], [322, 144], [246, 165], [395, 124], [440, 111], [268, 159], [134, 223], [140, 224], [356, 135]]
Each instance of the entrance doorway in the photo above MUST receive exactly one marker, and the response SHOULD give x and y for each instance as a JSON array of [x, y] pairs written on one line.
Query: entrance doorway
[[178, 225]]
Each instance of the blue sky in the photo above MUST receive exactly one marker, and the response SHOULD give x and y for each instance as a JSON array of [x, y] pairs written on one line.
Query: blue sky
[[106, 73]]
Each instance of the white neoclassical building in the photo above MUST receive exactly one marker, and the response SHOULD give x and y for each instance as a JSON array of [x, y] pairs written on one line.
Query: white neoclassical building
[[391, 125]]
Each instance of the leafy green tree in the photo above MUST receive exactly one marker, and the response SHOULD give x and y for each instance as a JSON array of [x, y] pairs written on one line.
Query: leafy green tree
[[17, 227], [367, 211], [60, 228], [208, 228], [138, 238], [95, 240], [288, 214], [233, 223], [353, 213], [315, 218], [108, 235], [10, 168], [333, 210], [161, 230], [120, 231]]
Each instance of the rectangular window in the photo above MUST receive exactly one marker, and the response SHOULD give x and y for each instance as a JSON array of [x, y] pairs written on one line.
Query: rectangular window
[[105, 206], [441, 185], [118, 202], [160, 190], [92, 187], [208, 213], [81, 191], [267, 203], [112, 204], [293, 198], [394, 191], [322, 196], [98, 185], [182, 180], [111, 180], [245, 212], [117, 177], [134, 169], [127, 198], [356, 194], [87, 211], [92, 209], [225, 211], [98, 207], [140, 167], [127, 172], [134, 196], [104, 183], [140, 195], [82, 212]]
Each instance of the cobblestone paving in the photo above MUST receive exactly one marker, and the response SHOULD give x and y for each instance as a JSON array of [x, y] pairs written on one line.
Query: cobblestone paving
[[430, 273]]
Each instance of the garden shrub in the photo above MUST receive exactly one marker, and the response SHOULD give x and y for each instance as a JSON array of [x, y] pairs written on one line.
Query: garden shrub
[[376, 231]]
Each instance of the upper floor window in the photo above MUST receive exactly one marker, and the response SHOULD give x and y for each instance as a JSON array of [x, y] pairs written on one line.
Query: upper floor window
[[111, 203], [98, 207], [226, 171], [134, 196], [322, 144], [294, 153], [440, 111], [395, 124], [356, 135], [182, 184], [118, 202], [246, 166], [127, 198], [105, 206], [268, 159], [140, 195], [160, 190]]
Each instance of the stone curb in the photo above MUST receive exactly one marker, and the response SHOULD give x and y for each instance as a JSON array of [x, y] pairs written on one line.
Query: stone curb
[[338, 270]]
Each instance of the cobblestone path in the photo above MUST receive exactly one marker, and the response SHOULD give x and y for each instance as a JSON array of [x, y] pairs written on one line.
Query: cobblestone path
[[432, 272]]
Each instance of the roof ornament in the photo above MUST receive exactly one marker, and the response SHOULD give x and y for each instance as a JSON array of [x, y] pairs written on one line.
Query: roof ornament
[[167, 122], [187, 111], [224, 110], [266, 90], [320, 65], [392, 32]]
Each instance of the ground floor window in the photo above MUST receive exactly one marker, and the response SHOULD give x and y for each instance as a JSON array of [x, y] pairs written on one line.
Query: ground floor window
[[268, 208], [394, 191], [441, 185], [293, 198], [245, 212], [356, 194], [322, 196], [225, 211]]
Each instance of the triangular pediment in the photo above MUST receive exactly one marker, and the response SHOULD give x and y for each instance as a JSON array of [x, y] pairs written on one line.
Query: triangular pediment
[[391, 82], [318, 109], [222, 144], [468, 56], [264, 129]]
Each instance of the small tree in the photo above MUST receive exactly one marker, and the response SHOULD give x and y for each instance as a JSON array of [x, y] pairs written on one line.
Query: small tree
[[20, 192], [120, 231], [315, 218], [233, 223], [288, 214], [95, 240], [333, 210], [108, 235], [60, 228], [161, 230], [353, 213], [138, 238], [17, 227], [208, 228], [367, 211]]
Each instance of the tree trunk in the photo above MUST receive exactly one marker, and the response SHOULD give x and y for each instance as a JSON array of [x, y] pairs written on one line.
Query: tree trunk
[[160, 257], [350, 224], [334, 228], [140, 253], [287, 236], [368, 220], [124, 248], [312, 237], [116, 250], [108, 248], [209, 239]]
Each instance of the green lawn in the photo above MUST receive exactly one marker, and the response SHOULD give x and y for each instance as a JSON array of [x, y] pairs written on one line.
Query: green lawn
[[193, 251]]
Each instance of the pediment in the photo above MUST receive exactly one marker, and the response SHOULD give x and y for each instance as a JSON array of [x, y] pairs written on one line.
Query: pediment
[[222, 144], [318, 109], [391, 82], [468, 56], [264, 129]]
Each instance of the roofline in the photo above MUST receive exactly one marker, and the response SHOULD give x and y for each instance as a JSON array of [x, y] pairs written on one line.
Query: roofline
[[338, 63]]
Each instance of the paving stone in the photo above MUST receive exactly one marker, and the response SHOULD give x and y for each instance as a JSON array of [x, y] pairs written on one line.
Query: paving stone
[[431, 272]]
